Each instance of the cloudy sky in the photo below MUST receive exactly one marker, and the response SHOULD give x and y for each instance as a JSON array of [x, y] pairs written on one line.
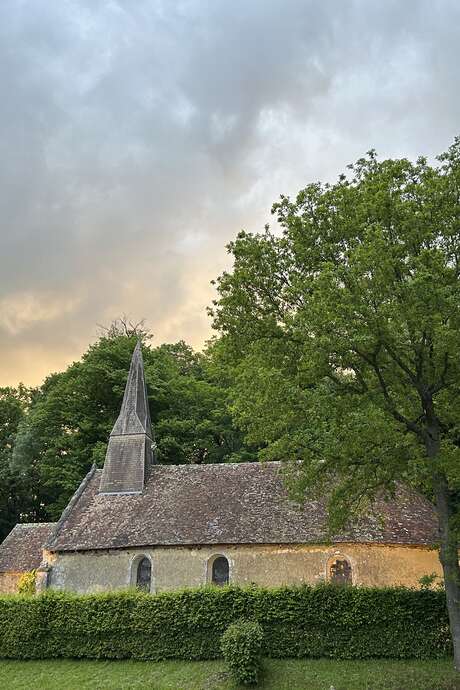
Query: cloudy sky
[[138, 136]]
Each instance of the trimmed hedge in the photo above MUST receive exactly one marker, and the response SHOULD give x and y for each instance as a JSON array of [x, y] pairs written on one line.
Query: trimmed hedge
[[323, 621]]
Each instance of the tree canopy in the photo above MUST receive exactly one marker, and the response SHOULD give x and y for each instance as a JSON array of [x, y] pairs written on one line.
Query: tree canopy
[[346, 330]]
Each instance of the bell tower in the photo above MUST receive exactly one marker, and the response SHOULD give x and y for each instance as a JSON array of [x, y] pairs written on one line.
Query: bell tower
[[130, 451]]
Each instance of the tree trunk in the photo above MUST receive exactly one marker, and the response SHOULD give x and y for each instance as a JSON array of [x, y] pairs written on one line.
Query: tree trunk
[[448, 555], [448, 539]]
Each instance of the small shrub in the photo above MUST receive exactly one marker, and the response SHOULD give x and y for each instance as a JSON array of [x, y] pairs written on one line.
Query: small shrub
[[241, 646], [26, 584]]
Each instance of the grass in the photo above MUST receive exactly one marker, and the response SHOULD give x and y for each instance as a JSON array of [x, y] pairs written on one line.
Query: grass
[[290, 674]]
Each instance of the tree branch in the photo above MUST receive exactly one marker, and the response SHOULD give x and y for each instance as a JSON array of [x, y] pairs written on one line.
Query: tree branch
[[442, 381], [372, 361], [404, 367]]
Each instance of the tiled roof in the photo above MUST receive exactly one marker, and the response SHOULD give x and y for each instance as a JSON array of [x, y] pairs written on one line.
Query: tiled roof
[[243, 503], [22, 548]]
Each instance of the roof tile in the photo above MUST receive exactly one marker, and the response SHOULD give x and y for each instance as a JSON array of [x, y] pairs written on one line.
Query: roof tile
[[21, 550], [240, 503]]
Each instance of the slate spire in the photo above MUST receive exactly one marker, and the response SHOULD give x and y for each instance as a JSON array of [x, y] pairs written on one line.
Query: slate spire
[[134, 417], [130, 450]]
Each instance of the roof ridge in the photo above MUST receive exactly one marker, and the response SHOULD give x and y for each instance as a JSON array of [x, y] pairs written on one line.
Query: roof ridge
[[33, 524], [254, 463]]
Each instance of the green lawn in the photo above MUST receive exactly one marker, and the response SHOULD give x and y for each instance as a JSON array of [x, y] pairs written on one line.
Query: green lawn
[[211, 675]]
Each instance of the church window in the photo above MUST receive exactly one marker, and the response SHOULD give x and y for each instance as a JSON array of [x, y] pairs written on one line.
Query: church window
[[144, 574], [340, 572], [220, 571]]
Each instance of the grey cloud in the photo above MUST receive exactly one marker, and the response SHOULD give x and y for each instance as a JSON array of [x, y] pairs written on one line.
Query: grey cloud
[[138, 136]]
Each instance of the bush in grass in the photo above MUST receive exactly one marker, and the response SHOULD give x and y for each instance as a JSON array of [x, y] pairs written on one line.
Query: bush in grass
[[241, 647]]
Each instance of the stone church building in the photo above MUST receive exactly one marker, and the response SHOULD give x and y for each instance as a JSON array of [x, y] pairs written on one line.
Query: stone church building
[[159, 527]]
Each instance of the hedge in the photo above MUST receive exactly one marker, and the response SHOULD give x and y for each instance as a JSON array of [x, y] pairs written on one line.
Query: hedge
[[323, 621]]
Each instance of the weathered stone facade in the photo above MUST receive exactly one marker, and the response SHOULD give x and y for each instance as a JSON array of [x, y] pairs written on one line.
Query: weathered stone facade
[[266, 565], [9, 582]]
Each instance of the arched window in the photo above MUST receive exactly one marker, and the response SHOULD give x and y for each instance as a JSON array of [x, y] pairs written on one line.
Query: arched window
[[220, 571], [144, 574], [340, 572]]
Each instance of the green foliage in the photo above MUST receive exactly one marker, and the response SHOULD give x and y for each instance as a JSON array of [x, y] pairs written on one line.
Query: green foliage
[[26, 584], [241, 647], [431, 580], [323, 621]]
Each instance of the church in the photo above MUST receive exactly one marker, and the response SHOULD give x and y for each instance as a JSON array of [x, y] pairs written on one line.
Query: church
[[136, 523]]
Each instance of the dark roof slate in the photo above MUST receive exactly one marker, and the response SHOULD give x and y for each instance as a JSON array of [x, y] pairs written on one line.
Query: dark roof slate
[[134, 417], [243, 503], [21, 550]]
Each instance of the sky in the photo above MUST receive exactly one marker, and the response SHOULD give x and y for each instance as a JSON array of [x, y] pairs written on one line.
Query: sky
[[137, 137]]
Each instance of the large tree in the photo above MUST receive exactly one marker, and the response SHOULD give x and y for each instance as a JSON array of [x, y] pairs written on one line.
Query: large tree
[[346, 326]]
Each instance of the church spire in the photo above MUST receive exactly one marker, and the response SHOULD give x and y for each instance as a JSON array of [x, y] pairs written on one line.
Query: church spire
[[130, 450], [134, 417]]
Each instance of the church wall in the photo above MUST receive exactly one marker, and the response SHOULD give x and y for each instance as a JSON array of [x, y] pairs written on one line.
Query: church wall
[[9, 582], [270, 565]]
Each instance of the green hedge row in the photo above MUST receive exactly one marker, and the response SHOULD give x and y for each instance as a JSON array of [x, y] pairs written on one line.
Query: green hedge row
[[323, 621]]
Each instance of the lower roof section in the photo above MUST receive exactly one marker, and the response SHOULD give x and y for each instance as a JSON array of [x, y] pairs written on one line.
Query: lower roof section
[[241, 503], [22, 549]]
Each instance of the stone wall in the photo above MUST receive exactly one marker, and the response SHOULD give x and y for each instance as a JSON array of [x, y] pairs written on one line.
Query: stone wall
[[9, 582], [271, 565]]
